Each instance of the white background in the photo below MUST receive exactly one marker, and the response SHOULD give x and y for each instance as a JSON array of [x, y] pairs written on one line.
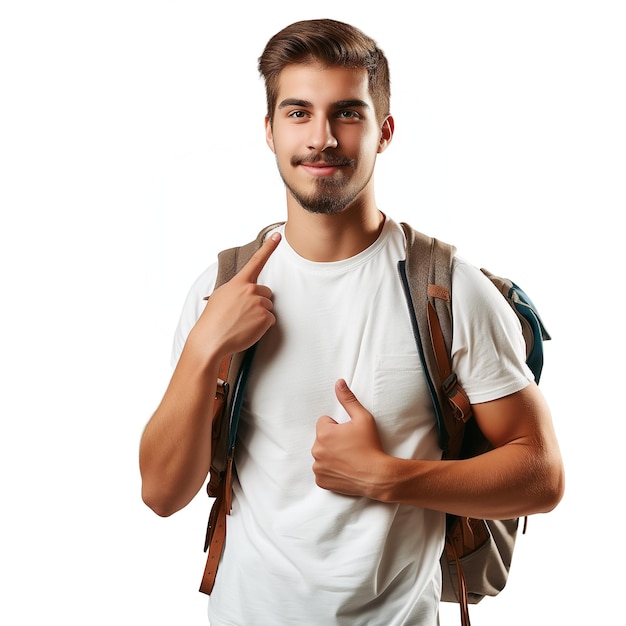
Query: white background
[[132, 150]]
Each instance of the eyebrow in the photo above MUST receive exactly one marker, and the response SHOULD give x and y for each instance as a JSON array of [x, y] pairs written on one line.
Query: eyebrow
[[342, 104]]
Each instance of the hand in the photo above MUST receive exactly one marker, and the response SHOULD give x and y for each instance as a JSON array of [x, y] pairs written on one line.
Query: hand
[[348, 457], [239, 312]]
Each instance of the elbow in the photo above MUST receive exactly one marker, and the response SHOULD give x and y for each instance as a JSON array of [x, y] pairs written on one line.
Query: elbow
[[164, 494], [157, 492], [556, 495], [552, 487], [158, 496], [162, 506]]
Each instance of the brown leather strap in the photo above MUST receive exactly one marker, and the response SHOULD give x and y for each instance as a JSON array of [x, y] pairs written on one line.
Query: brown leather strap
[[219, 485], [454, 392], [463, 601], [221, 390], [217, 525], [216, 528], [439, 344], [222, 372]]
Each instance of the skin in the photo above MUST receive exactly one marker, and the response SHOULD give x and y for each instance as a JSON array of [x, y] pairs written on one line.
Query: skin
[[326, 136], [312, 119], [175, 449], [521, 476]]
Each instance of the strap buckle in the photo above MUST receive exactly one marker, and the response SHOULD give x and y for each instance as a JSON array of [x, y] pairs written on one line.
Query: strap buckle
[[449, 384], [222, 388]]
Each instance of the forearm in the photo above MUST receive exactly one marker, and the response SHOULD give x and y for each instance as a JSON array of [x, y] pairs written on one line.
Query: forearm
[[511, 481], [175, 450], [522, 475]]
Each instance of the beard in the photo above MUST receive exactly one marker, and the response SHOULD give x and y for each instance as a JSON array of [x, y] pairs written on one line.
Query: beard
[[329, 198], [331, 194]]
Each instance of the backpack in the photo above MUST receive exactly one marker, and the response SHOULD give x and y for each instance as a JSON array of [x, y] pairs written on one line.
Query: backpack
[[477, 555]]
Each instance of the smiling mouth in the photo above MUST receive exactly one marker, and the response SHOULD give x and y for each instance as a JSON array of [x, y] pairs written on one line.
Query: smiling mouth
[[316, 165], [321, 169]]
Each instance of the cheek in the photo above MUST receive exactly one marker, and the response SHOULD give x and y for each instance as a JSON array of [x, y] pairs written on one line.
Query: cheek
[[285, 145], [362, 144], [367, 151]]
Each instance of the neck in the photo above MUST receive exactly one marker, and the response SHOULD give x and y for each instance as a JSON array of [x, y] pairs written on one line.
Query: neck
[[327, 238]]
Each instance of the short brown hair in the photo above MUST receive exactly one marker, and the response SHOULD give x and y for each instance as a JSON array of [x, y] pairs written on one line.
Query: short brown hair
[[330, 43]]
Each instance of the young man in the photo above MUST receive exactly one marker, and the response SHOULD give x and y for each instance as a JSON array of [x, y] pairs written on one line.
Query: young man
[[340, 494]]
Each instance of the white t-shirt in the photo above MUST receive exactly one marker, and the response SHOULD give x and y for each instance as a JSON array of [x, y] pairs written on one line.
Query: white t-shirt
[[296, 553]]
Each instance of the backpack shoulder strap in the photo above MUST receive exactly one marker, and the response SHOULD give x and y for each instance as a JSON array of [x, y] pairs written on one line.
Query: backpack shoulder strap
[[231, 382], [233, 369], [427, 277], [231, 376], [477, 554]]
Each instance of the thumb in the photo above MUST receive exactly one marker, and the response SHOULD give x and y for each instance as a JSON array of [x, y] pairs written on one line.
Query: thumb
[[347, 399]]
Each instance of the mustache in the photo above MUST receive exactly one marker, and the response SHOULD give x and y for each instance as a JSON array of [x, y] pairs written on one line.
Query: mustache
[[317, 157]]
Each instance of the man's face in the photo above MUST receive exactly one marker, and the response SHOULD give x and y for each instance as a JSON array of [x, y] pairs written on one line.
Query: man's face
[[325, 135]]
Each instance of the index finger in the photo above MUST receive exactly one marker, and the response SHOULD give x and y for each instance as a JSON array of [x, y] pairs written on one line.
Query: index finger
[[251, 270]]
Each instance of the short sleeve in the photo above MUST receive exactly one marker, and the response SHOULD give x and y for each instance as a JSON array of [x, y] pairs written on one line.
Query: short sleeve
[[192, 309], [488, 347]]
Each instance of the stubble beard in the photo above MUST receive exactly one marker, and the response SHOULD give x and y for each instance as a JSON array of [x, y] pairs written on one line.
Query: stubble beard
[[331, 195], [327, 199]]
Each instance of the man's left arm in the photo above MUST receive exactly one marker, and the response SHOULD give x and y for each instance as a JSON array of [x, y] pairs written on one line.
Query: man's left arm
[[522, 475]]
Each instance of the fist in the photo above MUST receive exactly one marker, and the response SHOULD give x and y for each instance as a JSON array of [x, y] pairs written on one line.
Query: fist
[[348, 457]]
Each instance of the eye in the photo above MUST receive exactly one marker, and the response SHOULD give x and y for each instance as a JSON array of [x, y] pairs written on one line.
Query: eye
[[349, 115], [298, 115]]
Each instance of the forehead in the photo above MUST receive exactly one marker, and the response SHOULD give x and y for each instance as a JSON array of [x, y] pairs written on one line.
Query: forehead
[[322, 85]]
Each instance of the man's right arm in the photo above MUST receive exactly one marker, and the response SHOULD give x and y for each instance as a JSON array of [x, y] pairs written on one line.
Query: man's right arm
[[175, 449]]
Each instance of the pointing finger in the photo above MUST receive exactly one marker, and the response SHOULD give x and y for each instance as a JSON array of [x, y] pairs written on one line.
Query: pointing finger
[[251, 270]]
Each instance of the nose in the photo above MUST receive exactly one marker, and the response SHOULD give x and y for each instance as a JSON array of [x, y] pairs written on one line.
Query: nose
[[321, 135]]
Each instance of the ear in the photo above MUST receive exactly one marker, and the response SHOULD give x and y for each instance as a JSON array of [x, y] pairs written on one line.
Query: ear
[[386, 133], [269, 136]]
